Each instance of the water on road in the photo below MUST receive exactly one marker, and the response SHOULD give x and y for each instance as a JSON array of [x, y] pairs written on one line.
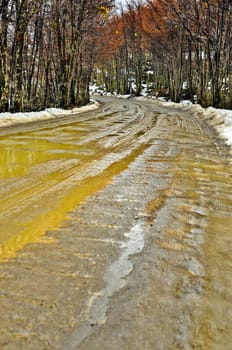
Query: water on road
[[117, 224], [46, 172]]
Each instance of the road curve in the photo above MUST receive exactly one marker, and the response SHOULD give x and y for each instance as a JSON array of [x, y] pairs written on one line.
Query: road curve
[[142, 259]]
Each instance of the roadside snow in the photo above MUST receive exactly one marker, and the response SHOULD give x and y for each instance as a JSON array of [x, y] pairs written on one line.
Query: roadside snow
[[219, 119], [8, 119]]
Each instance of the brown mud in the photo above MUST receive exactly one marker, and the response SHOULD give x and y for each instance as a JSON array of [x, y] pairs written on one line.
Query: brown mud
[[116, 232]]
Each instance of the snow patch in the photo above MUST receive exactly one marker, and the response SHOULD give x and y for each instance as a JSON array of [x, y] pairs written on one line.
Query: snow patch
[[8, 119], [219, 119]]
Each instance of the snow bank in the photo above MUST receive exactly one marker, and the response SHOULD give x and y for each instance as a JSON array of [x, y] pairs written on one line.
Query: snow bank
[[8, 119], [219, 119]]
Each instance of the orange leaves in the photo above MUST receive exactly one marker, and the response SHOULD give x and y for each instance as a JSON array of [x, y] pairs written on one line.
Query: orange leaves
[[154, 21], [111, 39], [135, 28]]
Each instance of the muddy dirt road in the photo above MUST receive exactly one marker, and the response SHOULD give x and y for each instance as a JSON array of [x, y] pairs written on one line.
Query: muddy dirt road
[[116, 232]]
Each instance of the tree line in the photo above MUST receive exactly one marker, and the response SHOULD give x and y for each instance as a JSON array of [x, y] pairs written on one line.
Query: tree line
[[51, 49], [47, 51], [178, 48]]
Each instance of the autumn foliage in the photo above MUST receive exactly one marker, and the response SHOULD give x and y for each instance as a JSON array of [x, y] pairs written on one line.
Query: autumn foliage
[[185, 46], [50, 51]]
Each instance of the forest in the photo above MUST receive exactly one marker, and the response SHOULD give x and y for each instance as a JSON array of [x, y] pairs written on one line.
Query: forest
[[51, 50]]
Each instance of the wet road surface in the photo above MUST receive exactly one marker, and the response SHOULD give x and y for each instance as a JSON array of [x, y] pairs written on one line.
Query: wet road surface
[[116, 232]]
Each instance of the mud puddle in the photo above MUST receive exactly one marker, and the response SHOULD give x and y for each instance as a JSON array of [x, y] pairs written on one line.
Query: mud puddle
[[142, 260], [37, 197]]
